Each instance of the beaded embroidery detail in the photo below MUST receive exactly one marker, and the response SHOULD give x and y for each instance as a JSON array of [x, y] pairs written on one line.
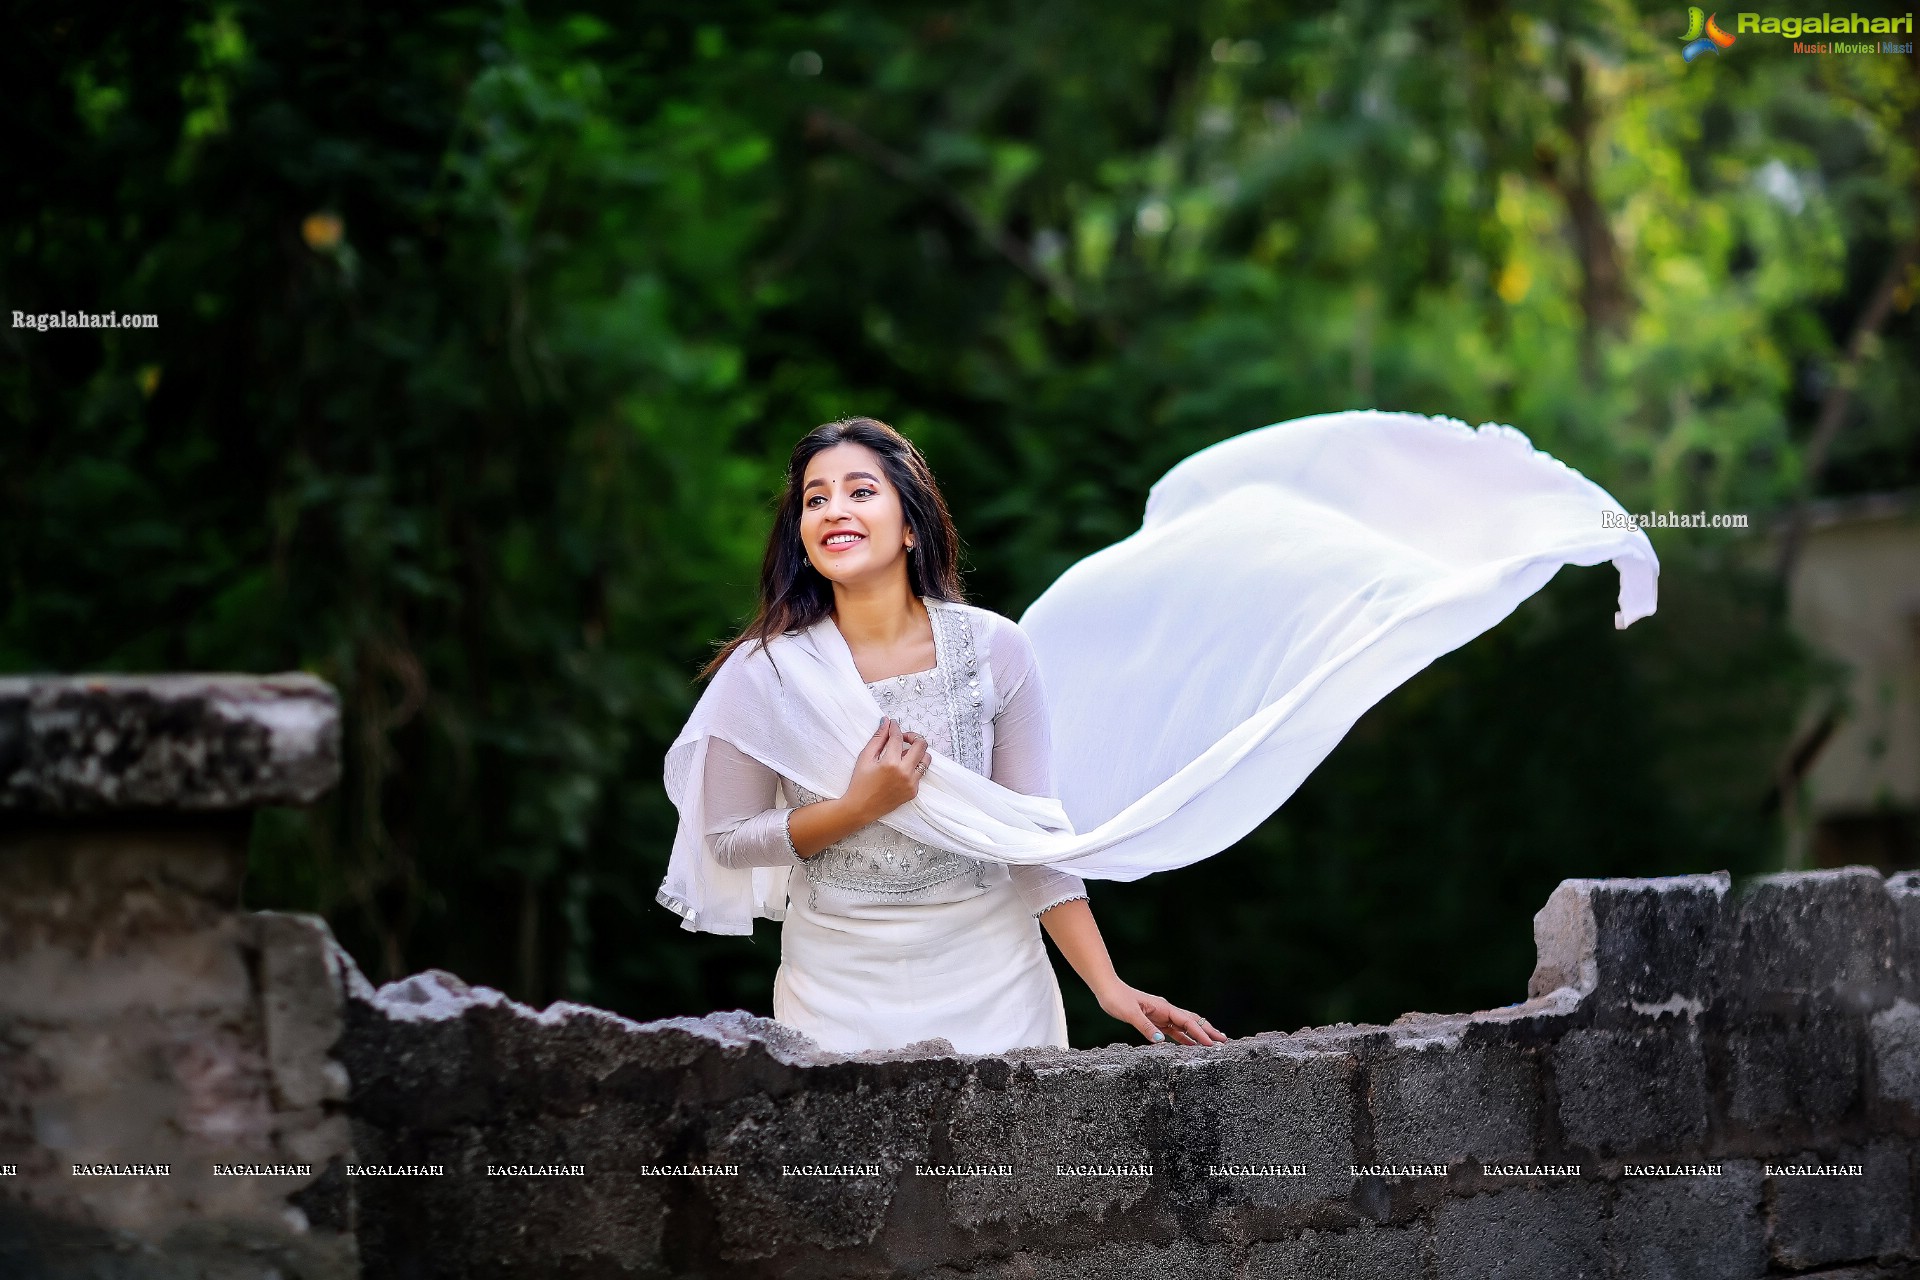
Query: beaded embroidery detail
[[1057, 901], [944, 705], [953, 647]]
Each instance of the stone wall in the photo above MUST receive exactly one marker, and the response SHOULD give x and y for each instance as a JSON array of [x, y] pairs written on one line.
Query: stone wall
[[1705, 1081], [1683, 1047], [153, 1035]]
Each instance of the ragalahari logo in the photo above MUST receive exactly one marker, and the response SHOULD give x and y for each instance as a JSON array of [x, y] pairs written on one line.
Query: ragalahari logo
[[1703, 34]]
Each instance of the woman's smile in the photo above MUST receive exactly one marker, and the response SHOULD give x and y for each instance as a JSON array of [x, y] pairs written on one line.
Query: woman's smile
[[852, 524]]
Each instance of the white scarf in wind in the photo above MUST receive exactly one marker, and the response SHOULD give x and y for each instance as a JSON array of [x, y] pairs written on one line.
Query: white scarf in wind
[[1281, 583]]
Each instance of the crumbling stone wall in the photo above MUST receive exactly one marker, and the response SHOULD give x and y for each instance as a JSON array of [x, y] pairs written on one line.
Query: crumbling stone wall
[[1706, 1081], [153, 1038], [1688, 1054]]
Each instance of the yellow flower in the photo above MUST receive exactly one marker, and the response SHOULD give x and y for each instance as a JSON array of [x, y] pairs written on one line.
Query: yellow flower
[[322, 231], [1515, 279]]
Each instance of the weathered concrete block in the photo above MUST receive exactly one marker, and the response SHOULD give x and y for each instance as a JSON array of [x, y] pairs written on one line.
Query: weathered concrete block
[[304, 1007], [468, 1224], [1895, 1037], [1632, 945], [1367, 1252], [187, 972], [1812, 937], [607, 1224], [1273, 1109], [461, 1077], [1791, 1074], [777, 1203], [1903, 893], [1042, 1118], [134, 1006], [1522, 1234], [99, 918], [430, 1054], [1828, 1219], [1872, 1271], [1109, 1260], [1632, 1092], [1439, 1096], [166, 742], [39, 1248], [1690, 1228]]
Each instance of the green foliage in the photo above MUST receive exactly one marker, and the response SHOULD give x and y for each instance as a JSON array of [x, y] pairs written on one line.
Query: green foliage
[[483, 333]]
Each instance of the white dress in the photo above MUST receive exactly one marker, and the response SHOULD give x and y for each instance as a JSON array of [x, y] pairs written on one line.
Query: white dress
[[1280, 584], [886, 940]]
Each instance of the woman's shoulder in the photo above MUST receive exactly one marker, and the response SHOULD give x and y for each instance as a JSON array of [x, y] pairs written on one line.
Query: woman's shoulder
[[984, 622], [750, 660], [999, 638]]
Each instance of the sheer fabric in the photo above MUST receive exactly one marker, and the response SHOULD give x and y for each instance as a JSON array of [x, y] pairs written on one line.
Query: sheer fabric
[[1282, 582], [748, 804], [886, 941]]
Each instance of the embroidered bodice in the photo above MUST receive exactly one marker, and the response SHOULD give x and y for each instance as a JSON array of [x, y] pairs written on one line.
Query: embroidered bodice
[[976, 706], [876, 859]]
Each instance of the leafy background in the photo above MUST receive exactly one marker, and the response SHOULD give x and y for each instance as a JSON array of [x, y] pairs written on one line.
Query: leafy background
[[484, 329]]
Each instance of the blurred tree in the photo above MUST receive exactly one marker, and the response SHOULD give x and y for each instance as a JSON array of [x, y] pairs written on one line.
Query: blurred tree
[[484, 332]]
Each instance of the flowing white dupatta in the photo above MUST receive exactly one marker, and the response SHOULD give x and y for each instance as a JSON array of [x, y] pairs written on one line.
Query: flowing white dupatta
[[1281, 583]]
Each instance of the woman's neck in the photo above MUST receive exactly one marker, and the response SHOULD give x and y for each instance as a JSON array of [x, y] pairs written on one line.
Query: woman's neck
[[883, 617]]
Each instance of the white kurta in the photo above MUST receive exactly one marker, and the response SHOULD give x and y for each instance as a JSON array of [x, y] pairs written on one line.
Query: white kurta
[[1281, 583], [881, 974], [886, 940]]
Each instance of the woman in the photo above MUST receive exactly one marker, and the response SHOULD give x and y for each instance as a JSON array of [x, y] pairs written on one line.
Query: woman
[[891, 940], [1282, 582]]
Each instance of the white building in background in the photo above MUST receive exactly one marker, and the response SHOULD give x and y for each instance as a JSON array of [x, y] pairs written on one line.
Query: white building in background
[[1855, 594]]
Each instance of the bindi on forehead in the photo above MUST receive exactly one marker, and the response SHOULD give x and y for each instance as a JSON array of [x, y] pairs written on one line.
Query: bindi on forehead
[[851, 475]]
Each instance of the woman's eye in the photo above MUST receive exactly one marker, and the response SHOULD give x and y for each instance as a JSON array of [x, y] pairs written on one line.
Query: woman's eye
[[869, 489], [815, 498]]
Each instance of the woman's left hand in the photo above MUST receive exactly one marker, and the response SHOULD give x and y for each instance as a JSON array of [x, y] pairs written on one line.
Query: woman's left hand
[[1148, 1013]]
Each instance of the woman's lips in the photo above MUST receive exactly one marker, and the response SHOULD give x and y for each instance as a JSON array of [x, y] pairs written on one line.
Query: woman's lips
[[835, 548]]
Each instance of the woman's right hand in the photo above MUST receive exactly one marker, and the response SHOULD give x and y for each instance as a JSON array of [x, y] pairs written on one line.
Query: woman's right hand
[[888, 771]]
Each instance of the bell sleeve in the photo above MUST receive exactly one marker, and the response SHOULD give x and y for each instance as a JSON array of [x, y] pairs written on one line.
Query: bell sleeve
[[746, 825], [1023, 756]]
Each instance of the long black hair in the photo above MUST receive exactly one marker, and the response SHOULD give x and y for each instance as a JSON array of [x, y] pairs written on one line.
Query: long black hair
[[793, 594]]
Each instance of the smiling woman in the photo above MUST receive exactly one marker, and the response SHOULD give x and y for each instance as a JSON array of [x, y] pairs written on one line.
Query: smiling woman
[[888, 939], [1281, 583]]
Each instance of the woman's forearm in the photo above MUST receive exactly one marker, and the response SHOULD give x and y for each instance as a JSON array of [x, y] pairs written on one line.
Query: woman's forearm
[[886, 775], [1071, 926], [812, 827]]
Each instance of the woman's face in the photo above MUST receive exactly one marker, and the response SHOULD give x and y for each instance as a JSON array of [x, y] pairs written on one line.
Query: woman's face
[[851, 519]]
